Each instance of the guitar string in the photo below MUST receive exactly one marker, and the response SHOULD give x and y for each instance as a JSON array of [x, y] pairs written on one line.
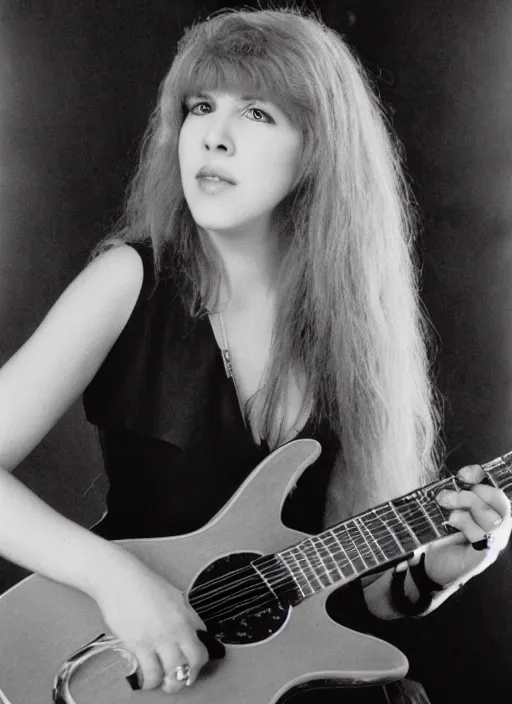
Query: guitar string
[[222, 616], [248, 568], [103, 670], [233, 612], [421, 521], [403, 510], [386, 528], [313, 563], [316, 560], [250, 594]]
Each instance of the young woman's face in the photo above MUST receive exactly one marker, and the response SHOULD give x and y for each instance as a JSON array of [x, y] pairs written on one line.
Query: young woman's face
[[253, 143]]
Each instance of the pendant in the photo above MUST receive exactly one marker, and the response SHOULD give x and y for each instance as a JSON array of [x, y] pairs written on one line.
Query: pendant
[[227, 363]]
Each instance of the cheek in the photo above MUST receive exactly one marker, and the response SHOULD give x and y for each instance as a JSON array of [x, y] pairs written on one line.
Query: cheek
[[186, 140], [182, 150], [185, 163], [278, 166]]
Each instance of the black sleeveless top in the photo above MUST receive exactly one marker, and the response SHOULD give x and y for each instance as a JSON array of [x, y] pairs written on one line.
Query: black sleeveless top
[[174, 442], [173, 438]]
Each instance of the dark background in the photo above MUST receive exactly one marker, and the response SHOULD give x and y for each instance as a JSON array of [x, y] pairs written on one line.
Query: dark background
[[77, 83]]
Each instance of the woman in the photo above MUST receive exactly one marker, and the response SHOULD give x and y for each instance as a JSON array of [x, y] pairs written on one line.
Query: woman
[[297, 264]]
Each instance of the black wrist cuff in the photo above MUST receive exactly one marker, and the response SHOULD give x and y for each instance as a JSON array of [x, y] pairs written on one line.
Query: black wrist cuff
[[426, 587], [422, 580]]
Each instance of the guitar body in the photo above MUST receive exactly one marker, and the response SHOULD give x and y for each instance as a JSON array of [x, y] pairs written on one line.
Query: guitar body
[[42, 623]]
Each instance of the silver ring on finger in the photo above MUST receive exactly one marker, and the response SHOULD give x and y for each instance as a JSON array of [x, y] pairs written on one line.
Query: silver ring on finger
[[182, 672], [485, 543]]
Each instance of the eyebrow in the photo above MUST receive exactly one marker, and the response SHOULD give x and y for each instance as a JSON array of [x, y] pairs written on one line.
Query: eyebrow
[[244, 98]]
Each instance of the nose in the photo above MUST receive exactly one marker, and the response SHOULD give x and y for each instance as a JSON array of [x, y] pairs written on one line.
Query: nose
[[217, 135]]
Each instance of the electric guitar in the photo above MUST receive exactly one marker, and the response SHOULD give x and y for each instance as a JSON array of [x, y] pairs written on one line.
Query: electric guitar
[[260, 587]]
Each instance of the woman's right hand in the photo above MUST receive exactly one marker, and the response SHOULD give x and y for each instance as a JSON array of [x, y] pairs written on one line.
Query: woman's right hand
[[155, 623]]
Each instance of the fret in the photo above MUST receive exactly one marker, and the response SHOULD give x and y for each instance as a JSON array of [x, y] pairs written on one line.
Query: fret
[[314, 559], [401, 538], [437, 514], [365, 532], [417, 517], [298, 578], [360, 542], [328, 561], [347, 567], [400, 534], [337, 554], [499, 473], [437, 532], [503, 480], [298, 573], [306, 567], [385, 538], [403, 530], [492, 480], [371, 539], [279, 578], [350, 547]]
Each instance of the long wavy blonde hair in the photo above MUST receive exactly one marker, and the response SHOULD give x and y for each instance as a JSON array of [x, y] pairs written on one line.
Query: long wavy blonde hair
[[349, 311]]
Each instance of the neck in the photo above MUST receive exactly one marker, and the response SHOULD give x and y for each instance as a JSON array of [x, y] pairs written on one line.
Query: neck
[[373, 540], [250, 262]]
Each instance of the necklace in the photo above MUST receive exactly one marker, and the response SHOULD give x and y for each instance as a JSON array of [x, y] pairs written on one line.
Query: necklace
[[228, 367], [226, 356]]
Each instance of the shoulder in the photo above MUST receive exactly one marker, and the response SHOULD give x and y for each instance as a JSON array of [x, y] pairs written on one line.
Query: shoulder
[[97, 303], [113, 278], [57, 362], [120, 265]]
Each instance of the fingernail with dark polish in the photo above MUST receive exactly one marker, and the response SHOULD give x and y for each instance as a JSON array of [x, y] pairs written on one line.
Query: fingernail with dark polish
[[133, 681]]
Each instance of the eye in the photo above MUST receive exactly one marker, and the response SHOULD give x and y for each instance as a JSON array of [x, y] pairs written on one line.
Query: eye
[[267, 116], [192, 109]]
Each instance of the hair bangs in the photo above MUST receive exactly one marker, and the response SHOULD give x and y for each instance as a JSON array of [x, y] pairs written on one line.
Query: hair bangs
[[242, 72]]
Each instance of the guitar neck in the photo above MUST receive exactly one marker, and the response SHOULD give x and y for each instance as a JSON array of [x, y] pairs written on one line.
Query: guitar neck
[[376, 538]]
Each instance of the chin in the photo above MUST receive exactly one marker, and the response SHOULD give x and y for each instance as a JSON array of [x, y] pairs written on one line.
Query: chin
[[218, 227], [216, 221]]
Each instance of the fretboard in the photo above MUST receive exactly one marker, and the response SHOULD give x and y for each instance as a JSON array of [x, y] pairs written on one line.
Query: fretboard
[[376, 538]]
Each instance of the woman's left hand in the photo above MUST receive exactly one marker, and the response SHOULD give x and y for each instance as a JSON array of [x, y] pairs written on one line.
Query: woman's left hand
[[480, 512]]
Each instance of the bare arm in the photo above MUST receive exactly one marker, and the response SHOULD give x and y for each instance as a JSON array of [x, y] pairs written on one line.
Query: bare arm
[[35, 536], [37, 385], [54, 366]]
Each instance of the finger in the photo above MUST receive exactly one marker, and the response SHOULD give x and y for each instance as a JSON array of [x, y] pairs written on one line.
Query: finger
[[482, 513], [496, 498], [402, 566], [171, 658], [196, 655], [149, 674], [196, 621], [471, 473], [215, 648], [463, 521]]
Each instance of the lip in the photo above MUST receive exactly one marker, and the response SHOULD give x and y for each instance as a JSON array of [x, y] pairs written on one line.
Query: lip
[[211, 188], [216, 171]]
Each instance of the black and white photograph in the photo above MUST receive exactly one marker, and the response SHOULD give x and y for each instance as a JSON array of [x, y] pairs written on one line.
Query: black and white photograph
[[255, 351]]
